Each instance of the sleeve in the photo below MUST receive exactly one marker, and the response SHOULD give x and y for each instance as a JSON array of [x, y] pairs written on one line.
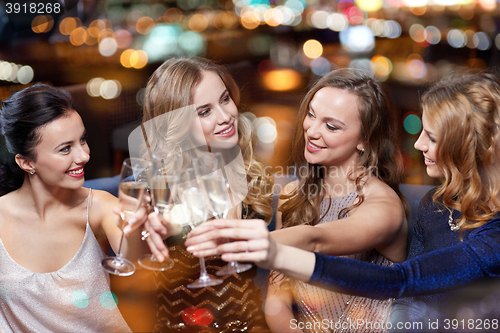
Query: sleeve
[[477, 257]]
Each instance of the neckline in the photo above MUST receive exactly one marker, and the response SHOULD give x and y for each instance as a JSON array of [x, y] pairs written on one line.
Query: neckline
[[85, 236]]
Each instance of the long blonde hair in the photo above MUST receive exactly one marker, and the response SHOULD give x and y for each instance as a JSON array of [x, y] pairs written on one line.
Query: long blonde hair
[[379, 134], [171, 87], [464, 110]]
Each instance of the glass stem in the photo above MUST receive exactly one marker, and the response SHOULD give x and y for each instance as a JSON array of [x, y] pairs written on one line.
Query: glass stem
[[119, 255], [203, 269]]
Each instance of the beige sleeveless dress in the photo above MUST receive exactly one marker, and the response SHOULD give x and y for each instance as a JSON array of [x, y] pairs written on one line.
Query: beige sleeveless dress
[[75, 298], [320, 310]]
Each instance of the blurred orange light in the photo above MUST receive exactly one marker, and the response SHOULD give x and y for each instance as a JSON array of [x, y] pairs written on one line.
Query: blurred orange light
[[419, 11], [42, 23], [144, 25], [105, 34], [488, 5], [273, 17], [249, 20], [139, 59], [173, 15], [90, 38], [125, 58], [382, 66], [69, 24], [198, 22], [313, 49], [77, 36], [282, 79]]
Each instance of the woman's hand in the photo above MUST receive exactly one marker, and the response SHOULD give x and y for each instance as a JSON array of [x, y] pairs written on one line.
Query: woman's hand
[[250, 241]]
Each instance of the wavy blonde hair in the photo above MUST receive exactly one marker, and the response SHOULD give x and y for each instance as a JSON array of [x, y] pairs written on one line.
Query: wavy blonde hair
[[379, 133], [464, 110], [172, 86]]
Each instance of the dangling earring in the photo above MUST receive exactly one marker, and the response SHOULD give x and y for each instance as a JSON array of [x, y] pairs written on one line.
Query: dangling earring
[[32, 172], [362, 151]]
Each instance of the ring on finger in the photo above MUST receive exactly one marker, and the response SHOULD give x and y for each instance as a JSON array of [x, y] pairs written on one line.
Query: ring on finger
[[144, 235]]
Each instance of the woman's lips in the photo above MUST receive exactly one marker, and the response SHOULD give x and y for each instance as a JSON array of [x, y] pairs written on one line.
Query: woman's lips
[[76, 173], [227, 132], [312, 147]]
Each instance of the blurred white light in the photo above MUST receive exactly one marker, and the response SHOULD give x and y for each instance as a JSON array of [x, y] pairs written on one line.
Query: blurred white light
[[13, 72], [497, 43], [391, 29], [456, 38], [5, 70], [320, 66], [414, 29], [139, 97], [376, 25], [266, 129], [415, 3], [94, 86], [417, 68], [432, 35], [108, 46], [288, 15], [357, 39], [296, 6], [191, 42], [25, 74], [481, 41], [319, 19], [337, 22], [110, 89]]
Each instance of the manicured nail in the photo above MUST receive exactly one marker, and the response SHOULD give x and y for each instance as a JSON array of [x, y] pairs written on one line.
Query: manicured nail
[[187, 243], [190, 248], [132, 220], [127, 230]]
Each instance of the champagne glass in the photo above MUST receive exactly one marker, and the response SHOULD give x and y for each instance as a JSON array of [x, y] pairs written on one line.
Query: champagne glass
[[210, 168], [162, 184], [133, 184], [194, 198]]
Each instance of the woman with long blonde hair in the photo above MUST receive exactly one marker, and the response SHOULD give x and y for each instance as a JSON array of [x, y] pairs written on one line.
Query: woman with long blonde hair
[[450, 280], [198, 87]]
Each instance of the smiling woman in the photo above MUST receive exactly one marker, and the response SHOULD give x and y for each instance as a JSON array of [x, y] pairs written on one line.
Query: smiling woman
[[52, 230]]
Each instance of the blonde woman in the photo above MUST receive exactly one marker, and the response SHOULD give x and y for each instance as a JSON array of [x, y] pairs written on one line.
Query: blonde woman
[[236, 304]]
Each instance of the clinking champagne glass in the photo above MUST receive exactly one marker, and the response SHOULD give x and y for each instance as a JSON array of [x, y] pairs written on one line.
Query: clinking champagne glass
[[133, 184], [209, 168], [195, 200], [163, 182]]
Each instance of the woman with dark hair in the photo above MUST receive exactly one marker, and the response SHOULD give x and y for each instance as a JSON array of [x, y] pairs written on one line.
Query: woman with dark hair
[[54, 232], [450, 280], [235, 305], [349, 167]]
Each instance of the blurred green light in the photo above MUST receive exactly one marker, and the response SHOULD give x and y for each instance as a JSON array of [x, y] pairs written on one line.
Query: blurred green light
[[412, 124]]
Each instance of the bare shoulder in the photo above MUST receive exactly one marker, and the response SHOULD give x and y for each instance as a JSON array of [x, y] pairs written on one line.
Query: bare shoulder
[[102, 203], [375, 189]]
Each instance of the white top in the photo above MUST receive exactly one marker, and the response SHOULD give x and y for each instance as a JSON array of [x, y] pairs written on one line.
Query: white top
[[75, 298]]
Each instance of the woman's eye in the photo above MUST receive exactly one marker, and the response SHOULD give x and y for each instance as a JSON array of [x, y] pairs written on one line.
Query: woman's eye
[[310, 114], [203, 113], [65, 149], [331, 127], [226, 99]]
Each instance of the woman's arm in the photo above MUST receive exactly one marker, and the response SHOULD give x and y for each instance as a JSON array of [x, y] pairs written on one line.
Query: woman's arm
[[279, 313], [378, 223], [472, 259], [133, 246]]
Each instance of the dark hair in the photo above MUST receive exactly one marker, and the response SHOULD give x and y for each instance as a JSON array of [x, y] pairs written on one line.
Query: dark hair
[[21, 117]]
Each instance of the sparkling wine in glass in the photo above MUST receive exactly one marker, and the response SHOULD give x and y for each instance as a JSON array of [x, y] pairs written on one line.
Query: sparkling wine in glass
[[210, 168], [195, 200], [133, 184], [163, 182]]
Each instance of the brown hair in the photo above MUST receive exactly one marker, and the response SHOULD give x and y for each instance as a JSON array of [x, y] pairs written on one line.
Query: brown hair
[[464, 110], [379, 134], [172, 86]]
